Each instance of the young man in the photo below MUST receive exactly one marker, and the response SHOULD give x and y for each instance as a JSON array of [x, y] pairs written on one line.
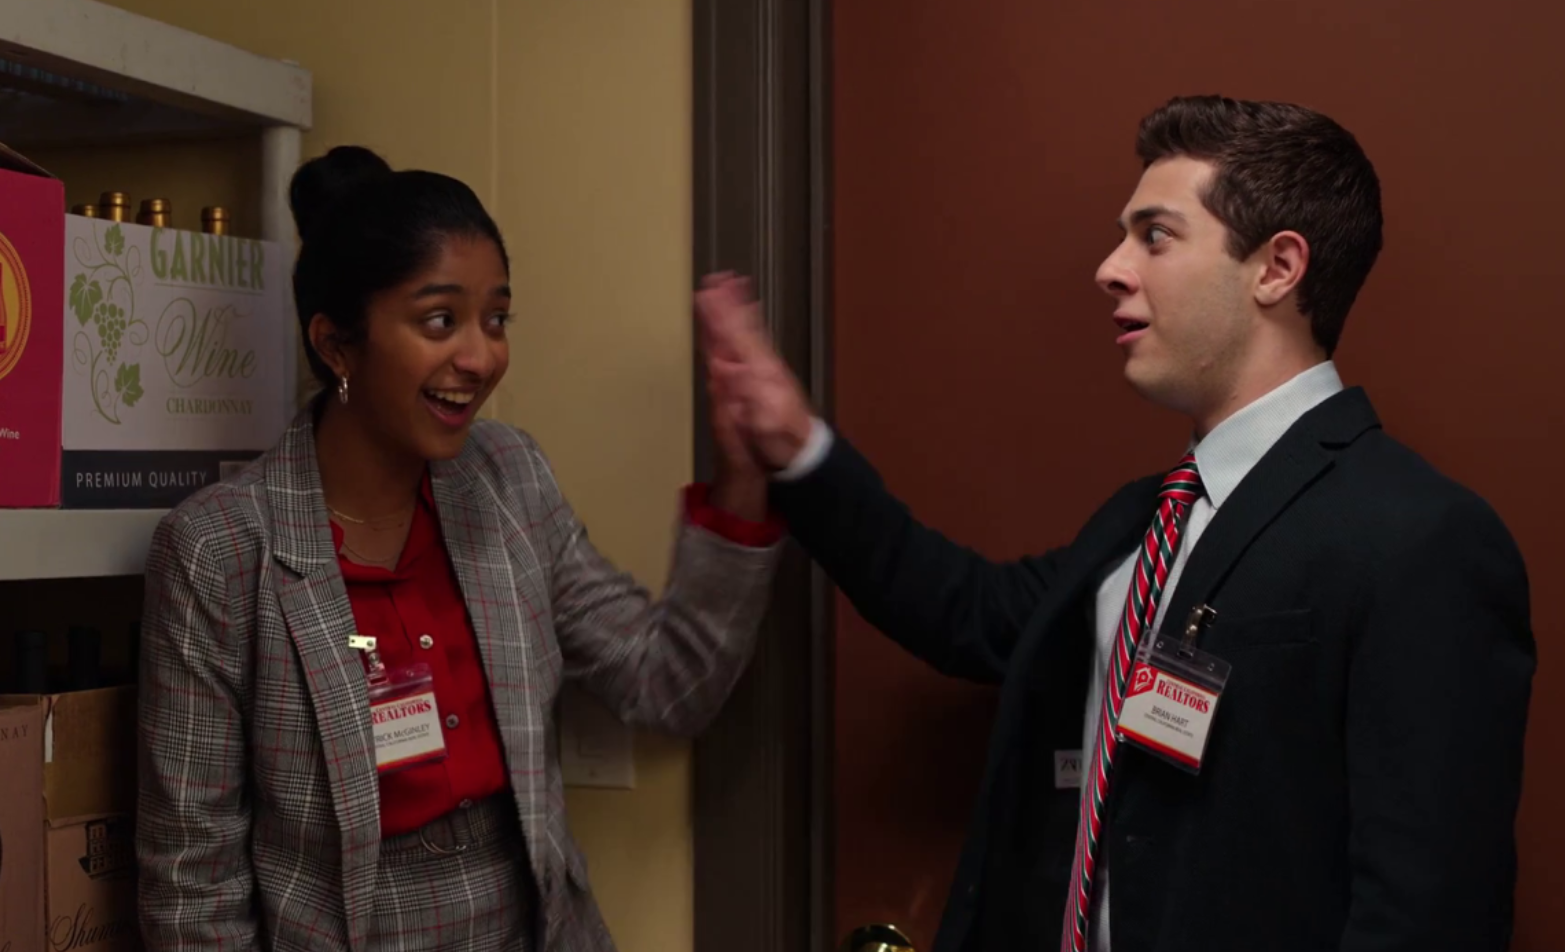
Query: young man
[[1352, 783]]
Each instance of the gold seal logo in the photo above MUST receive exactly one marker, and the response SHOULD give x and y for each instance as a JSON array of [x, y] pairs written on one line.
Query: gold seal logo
[[16, 307]]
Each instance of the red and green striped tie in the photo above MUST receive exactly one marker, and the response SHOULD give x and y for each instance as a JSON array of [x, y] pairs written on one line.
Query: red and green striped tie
[[1180, 490]]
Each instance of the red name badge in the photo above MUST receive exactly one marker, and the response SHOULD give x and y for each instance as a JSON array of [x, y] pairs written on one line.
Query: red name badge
[[1173, 695], [403, 712]]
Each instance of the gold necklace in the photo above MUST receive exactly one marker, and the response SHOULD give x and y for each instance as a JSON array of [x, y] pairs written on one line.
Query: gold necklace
[[400, 527], [389, 564], [375, 522]]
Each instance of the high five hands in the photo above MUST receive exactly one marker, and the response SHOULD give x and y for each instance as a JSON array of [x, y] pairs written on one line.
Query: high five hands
[[761, 416]]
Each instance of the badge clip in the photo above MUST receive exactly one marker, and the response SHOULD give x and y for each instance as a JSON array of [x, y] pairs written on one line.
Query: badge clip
[[375, 667], [1200, 617], [1173, 695]]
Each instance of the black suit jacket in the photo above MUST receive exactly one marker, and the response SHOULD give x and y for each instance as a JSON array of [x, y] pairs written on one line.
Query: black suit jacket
[[1362, 775]]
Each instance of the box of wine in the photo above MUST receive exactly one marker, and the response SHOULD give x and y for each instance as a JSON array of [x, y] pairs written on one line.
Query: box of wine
[[175, 351], [32, 208], [21, 829], [84, 783], [91, 887]]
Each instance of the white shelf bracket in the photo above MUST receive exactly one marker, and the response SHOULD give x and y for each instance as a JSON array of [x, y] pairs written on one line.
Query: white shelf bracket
[[280, 153]]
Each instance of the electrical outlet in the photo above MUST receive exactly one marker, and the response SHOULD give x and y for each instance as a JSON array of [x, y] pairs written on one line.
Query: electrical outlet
[[596, 750]]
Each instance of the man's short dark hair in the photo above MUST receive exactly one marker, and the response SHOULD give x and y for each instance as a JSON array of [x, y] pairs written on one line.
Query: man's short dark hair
[[1281, 167]]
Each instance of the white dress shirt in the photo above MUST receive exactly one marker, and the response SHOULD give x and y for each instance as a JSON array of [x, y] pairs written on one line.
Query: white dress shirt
[[1224, 458]]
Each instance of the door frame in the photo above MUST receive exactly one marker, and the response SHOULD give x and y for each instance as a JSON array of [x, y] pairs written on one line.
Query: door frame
[[762, 773]]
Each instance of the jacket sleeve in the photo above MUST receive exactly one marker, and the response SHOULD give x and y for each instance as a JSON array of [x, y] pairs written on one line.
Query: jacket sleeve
[[945, 603], [668, 663], [1437, 708], [193, 824]]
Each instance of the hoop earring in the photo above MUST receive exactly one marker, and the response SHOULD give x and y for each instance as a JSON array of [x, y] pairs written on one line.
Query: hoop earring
[[342, 389]]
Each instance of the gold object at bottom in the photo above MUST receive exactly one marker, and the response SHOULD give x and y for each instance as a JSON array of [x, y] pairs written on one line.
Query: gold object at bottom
[[877, 938]]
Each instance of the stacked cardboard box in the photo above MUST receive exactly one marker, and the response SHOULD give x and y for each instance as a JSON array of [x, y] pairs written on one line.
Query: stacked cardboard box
[[67, 815], [32, 314], [175, 343], [137, 363], [21, 830]]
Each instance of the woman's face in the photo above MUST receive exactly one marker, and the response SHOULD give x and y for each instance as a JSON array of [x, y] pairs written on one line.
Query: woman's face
[[433, 350]]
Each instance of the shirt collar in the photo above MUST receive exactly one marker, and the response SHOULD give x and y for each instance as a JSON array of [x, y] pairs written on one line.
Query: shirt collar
[[1235, 445]]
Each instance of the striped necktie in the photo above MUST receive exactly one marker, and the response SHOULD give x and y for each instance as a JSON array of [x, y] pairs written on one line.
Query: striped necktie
[[1181, 488]]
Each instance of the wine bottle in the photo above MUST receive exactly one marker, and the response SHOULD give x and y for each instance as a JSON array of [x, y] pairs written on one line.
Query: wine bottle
[[214, 220], [83, 651], [87, 210], [31, 670], [115, 206], [156, 212]]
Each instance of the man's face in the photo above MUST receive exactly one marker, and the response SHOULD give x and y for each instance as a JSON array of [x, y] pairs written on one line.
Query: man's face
[[1185, 314]]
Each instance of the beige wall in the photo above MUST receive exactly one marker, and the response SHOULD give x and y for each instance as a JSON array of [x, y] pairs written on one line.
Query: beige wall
[[571, 119]]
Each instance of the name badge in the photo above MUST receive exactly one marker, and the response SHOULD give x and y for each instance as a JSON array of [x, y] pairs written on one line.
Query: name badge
[[1067, 769], [406, 719], [1173, 696]]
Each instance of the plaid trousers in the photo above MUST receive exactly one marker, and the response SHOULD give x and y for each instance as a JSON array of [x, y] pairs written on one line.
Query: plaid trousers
[[461, 884]]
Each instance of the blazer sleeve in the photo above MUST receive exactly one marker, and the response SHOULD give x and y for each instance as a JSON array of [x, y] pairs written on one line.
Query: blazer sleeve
[[945, 603], [193, 824], [669, 663], [1437, 709]]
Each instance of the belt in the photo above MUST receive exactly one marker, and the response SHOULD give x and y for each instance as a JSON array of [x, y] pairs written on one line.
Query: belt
[[491, 820]]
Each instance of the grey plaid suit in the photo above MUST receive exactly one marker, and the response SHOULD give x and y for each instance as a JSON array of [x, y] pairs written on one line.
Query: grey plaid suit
[[259, 823]]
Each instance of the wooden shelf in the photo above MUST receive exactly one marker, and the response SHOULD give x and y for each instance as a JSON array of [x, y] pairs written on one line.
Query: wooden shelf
[[74, 543], [92, 50], [81, 72]]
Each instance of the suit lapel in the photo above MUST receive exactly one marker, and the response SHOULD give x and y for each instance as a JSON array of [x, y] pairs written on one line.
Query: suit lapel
[[1111, 533], [1280, 476], [1116, 528], [1289, 468], [1109, 536], [315, 607], [471, 524]]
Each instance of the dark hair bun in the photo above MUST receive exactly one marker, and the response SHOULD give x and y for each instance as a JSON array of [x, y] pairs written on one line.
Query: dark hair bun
[[323, 182]]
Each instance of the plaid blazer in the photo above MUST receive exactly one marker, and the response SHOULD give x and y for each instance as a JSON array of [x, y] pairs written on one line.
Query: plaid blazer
[[259, 823]]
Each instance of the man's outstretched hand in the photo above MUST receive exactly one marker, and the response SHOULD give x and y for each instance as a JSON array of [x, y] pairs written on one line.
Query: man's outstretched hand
[[755, 397]]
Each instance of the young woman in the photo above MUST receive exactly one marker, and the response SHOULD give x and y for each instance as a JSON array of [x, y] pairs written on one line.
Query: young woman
[[352, 650]]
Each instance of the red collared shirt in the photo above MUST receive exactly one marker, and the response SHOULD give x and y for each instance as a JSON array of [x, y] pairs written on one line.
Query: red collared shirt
[[416, 614]]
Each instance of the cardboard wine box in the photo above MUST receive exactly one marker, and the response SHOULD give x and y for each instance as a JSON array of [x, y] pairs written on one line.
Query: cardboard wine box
[[21, 829], [32, 228], [91, 890], [175, 351], [83, 781]]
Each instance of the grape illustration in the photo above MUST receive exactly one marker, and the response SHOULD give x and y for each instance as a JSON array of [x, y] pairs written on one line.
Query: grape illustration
[[110, 274], [110, 320]]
